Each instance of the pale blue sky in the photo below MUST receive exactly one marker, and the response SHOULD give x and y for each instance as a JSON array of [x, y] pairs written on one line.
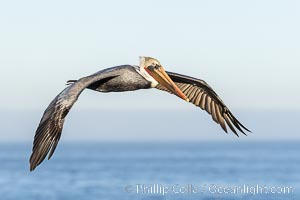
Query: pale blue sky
[[248, 51]]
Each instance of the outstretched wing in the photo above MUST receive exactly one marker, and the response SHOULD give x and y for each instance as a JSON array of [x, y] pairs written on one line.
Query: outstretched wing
[[50, 127], [203, 96]]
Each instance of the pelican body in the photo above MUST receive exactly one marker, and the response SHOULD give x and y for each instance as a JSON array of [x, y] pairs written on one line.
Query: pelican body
[[149, 74], [120, 79]]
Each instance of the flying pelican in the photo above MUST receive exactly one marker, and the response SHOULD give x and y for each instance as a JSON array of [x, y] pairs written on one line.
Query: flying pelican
[[149, 74]]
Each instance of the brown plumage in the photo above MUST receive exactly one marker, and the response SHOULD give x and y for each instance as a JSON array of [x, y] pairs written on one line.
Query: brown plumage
[[204, 97]]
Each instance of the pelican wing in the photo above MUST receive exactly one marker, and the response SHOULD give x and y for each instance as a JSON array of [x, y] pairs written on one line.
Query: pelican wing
[[50, 127], [203, 96]]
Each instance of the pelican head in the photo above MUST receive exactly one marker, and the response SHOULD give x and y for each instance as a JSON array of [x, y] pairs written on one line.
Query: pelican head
[[154, 72]]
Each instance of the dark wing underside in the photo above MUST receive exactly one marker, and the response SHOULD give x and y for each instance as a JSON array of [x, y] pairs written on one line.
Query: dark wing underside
[[203, 96], [50, 127]]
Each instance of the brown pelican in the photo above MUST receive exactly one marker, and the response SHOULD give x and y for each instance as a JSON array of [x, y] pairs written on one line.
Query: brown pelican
[[149, 74]]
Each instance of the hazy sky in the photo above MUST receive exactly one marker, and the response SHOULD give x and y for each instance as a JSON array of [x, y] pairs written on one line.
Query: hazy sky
[[248, 51]]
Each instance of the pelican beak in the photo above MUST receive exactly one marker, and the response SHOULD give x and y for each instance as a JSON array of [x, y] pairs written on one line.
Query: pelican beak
[[160, 75]]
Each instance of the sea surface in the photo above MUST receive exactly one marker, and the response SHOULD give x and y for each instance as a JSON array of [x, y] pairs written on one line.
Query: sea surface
[[188, 170]]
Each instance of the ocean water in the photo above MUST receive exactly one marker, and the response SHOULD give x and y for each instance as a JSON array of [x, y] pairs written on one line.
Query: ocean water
[[112, 171]]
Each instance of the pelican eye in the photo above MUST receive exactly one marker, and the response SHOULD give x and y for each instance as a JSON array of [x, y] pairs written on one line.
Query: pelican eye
[[154, 66]]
